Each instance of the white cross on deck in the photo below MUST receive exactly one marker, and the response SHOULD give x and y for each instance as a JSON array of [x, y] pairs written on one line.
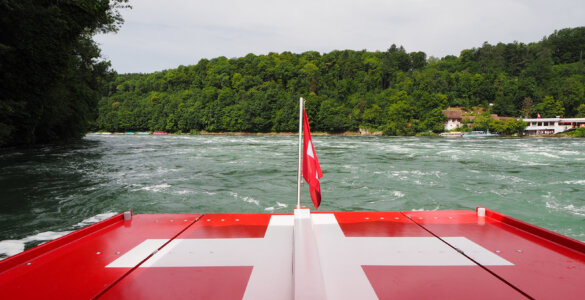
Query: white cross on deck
[[340, 257]]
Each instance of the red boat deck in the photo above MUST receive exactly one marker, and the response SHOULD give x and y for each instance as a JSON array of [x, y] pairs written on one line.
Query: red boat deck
[[339, 255]]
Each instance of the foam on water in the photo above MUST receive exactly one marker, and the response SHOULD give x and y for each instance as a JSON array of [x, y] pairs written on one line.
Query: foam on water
[[509, 179], [546, 154], [245, 198], [567, 152], [95, 219], [580, 182], [153, 188], [182, 192], [12, 247], [570, 208], [278, 206], [398, 194]]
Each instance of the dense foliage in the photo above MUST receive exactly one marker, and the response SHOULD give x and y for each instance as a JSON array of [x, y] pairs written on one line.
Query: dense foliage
[[579, 132], [484, 122], [51, 76], [396, 92]]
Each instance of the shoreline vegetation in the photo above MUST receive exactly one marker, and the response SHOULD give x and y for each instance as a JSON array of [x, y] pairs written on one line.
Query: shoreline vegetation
[[393, 92], [389, 92], [52, 71], [347, 133]]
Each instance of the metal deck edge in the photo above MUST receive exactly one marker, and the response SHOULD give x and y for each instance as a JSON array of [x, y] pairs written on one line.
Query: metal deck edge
[[540, 232], [43, 249]]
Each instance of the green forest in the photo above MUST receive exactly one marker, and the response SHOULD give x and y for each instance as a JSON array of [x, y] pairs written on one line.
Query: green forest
[[394, 91], [55, 86], [52, 76]]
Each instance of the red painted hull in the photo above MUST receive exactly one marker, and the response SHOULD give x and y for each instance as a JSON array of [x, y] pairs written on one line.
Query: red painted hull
[[430, 254]]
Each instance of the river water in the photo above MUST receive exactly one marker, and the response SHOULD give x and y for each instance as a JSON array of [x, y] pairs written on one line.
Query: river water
[[47, 192]]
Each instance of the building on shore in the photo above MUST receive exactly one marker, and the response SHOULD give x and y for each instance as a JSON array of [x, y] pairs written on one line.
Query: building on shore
[[455, 118], [543, 126], [540, 126]]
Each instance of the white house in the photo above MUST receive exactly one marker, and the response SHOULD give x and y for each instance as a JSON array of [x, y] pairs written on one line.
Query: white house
[[454, 118], [552, 125]]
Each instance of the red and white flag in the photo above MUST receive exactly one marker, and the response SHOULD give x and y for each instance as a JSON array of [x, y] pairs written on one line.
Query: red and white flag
[[538, 115], [311, 168]]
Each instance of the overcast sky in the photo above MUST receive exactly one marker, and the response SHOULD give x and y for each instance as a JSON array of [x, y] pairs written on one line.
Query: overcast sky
[[160, 35]]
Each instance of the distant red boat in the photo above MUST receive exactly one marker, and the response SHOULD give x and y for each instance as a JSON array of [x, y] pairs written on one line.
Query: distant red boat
[[160, 133], [478, 254]]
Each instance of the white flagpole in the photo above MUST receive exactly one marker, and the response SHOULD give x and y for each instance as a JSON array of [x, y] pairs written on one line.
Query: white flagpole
[[301, 104]]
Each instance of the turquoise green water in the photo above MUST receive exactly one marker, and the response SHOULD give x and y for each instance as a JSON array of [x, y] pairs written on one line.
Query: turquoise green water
[[46, 192]]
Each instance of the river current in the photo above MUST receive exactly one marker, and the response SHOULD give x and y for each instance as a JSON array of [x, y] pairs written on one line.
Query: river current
[[49, 191]]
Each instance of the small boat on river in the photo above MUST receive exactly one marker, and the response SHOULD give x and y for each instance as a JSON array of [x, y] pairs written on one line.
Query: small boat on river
[[479, 134], [451, 134]]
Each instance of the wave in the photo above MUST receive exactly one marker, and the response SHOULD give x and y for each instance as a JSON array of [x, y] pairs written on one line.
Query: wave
[[570, 208], [276, 207], [580, 182], [245, 198], [13, 247], [153, 188], [398, 194], [509, 179], [182, 192], [96, 218]]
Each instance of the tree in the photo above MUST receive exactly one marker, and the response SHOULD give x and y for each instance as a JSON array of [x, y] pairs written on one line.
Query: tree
[[433, 121], [482, 122], [373, 117], [527, 107], [309, 74], [419, 60], [400, 119], [51, 77], [568, 45], [515, 127], [581, 111], [572, 93], [333, 117], [551, 108]]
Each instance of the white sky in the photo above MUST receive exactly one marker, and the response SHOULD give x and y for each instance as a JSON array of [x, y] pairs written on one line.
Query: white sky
[[160, 35]]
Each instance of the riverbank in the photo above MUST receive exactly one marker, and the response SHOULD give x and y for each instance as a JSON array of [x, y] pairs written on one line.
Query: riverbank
[[347, 133]]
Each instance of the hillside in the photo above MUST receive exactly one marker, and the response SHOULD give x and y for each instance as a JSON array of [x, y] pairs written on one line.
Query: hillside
[[397, 92]]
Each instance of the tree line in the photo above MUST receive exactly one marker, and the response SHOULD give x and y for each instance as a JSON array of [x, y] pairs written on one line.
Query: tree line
[[393, 91], [55, 86]]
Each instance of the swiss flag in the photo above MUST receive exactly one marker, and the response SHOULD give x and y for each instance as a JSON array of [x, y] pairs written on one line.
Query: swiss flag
[[311, 169]]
